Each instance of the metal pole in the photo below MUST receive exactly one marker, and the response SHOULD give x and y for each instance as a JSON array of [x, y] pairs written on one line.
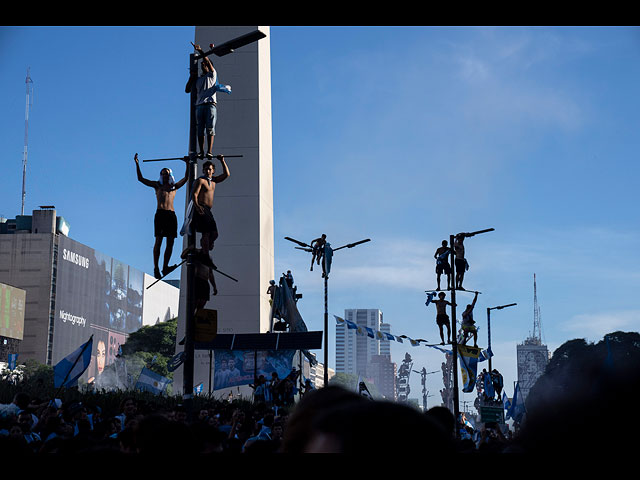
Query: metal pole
[[489, 334], [454, 339], [326, 330], [190, 310]]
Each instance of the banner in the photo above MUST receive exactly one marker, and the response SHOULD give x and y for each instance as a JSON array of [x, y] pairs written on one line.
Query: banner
[[468, 366], [236, 367]]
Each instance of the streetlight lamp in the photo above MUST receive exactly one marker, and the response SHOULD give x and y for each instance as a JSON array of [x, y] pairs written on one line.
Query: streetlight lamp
[[327, 258], [454, 339], [489, 326]]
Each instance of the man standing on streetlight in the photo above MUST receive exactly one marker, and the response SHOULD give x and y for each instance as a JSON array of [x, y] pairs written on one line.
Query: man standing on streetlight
[[206, 87], [442, 263], [461, 262], [442, 319]]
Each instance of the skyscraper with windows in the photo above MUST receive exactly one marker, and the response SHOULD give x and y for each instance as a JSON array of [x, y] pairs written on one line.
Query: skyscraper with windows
[[361, 355]]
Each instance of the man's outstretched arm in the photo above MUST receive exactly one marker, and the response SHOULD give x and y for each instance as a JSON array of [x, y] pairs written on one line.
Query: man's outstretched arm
[[181, 182], [225, 170], [141, 179]]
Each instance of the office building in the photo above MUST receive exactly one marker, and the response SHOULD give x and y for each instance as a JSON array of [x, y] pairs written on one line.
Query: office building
[[73, 292], [361, 355]]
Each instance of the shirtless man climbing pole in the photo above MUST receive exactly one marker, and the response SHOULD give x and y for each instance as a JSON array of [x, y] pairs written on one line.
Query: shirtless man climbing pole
[[442, 319], [202, 197], [165, 220]]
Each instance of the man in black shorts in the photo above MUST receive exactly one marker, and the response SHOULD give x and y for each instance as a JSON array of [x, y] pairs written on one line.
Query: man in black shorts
[[442, 263], [202, 198], [165, 222], [442, 319]]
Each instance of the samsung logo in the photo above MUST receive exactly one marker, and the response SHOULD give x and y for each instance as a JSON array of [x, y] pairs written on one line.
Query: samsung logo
[[75, 258]]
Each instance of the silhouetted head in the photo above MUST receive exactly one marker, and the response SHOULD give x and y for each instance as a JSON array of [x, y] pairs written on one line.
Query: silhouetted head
[[441, 295], [444, 243]]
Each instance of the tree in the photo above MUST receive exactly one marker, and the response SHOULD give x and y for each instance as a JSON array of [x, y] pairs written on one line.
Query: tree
[[578, 404], [158, 339]]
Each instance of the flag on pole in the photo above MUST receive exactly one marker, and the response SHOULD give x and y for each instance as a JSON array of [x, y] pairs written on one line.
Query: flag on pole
[[517, 409], [506, 403], [150, 381], [468, 366], [12, 361], [69, 369], [198, 389]]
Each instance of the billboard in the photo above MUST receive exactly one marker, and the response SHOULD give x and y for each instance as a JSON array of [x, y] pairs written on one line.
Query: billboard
[[95, 295], [12, 301], [236, 367]]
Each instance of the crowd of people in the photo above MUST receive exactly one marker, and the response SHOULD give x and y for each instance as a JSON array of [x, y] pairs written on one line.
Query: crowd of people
[[328, 420], [586, 418]]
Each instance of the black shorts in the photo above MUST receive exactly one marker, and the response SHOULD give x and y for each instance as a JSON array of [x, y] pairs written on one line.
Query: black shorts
[[165, 224], [204, 223], [442, 319], [443, 267], [202, 289], [461, 265]]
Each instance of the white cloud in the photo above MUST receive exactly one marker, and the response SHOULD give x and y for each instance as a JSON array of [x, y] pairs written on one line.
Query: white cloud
[[595, 325]]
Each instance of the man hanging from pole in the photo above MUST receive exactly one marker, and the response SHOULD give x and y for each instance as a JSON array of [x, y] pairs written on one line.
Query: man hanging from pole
[[317, 245], [469, 328], [206, 87], [442, 319], [165, 220], [202, 198]]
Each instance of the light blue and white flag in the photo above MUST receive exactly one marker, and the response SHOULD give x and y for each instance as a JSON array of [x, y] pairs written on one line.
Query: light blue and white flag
[[198, 389], [430, 296], [485, 355], [12, 361], [517, 409], [150, 381], [70, 368], [506, 403], [222, 88]]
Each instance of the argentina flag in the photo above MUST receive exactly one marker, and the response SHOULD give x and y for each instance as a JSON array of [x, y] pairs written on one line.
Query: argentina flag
[[150, 381], [70, 368]]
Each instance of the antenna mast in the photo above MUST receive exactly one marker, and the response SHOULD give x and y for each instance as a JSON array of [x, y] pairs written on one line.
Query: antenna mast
[[537, 325], [29, 84]]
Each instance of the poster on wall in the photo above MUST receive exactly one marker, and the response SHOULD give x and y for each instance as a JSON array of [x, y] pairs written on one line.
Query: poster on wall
[[95, 295]]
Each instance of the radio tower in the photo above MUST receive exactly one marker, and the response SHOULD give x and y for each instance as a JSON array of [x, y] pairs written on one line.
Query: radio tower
[[536, 337], [29, 83]]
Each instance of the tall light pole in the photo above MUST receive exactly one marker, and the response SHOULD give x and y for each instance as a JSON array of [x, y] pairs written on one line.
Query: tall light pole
[[489, 326], [326, 268], [454, 337]]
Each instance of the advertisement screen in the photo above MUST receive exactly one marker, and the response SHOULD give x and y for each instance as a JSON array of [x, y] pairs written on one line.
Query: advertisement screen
[[95, 295], [12, 302], [237, 367]]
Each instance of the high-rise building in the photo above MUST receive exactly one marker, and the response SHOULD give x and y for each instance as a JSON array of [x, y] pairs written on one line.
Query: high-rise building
[[532, 354], [364, 356], [72, 292]]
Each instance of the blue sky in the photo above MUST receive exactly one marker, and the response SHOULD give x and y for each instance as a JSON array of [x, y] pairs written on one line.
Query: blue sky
[[402, 135]]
